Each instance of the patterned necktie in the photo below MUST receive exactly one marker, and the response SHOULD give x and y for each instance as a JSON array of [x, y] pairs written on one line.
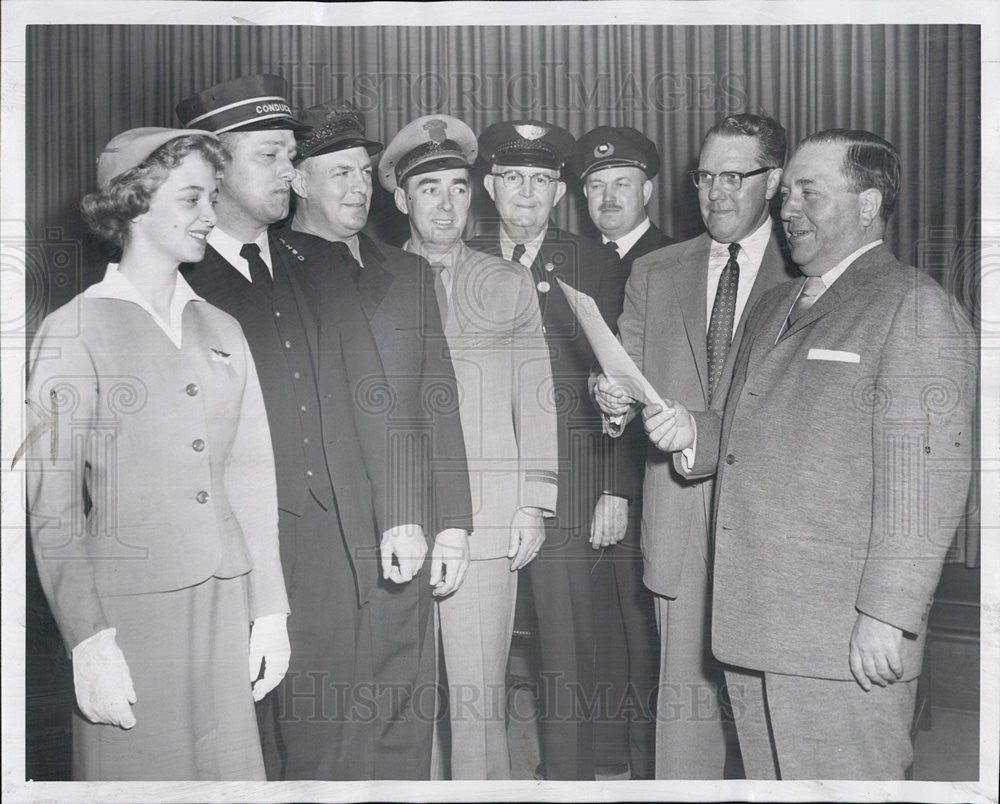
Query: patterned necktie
[[811, 290], [259, 275], [439, 290], [518, 252], [720, 327]]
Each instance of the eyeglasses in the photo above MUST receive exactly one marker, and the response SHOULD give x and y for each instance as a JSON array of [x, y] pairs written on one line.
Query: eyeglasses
[[513, 179], [731, 179]]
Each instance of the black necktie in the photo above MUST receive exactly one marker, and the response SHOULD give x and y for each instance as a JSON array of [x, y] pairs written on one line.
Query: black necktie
[[720, 327], [343, 251], [612, 246], [259, 275], [518, 252]]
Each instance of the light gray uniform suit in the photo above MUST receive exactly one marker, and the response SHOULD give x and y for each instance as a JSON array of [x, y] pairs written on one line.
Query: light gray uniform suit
[[663, 328], [847, 444]]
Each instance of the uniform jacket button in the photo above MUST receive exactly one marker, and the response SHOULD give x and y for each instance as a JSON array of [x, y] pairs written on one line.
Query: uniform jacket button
[[192, 389], [202, 497], [730, 459], [198, 445]]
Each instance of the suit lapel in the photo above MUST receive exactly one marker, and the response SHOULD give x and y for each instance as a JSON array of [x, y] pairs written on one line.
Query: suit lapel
[[301, 280], [691, 288], [375, 280]]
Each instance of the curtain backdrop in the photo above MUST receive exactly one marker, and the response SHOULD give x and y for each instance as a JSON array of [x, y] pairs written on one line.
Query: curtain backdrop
[[917, 85]]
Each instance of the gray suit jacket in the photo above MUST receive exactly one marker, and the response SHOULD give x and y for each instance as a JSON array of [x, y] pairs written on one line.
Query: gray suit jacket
[[847, 445], [663, 327]]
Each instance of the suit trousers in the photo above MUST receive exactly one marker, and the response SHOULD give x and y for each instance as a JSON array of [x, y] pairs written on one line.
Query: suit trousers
[[795, 727], [359, 699], [477, 622], [627, 660], [560, 589], [690, 738]]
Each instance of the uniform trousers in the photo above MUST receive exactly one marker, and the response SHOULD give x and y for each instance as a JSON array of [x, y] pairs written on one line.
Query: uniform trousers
[[560, 589], [477, 622], [690, 738], [627, 661], [359, 699], [795, 727]]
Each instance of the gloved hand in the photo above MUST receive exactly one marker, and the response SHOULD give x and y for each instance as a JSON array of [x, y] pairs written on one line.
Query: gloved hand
[[102, 680], [269, 641]]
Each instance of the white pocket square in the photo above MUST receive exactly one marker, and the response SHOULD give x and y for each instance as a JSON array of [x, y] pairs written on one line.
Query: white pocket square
[[833, 354]]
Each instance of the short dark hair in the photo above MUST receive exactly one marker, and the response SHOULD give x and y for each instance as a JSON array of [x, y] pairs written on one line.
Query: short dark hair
[[768, 132], [869, 162], [109, 211]]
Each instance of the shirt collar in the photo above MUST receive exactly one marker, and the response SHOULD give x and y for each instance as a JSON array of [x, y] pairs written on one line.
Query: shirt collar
[[831, 276], [116, 285], [531, 247], [752, 246], [625, 242], [229, 247]]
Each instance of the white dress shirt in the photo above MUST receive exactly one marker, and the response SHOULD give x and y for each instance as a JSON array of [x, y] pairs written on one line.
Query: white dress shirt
[[625, 242], [531, 247], [229, 247], [749, 257]]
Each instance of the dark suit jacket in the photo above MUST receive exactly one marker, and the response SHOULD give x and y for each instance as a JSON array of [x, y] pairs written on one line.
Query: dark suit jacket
[[848, 443], [415, 401], [630, 449], [663, 329], [356, 477], [583, 451]]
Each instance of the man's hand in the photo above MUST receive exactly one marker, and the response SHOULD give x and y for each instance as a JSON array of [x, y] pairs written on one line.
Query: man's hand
[[670, 428], [407, 544], [610, 521], [612, 398], [449, 560], [875, 652], [527, 533], [102, 681], [269, 642]]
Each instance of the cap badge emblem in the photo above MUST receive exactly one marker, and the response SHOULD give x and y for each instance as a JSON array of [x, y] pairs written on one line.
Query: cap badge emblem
[[436, 130], [531, 132], [604, 149]]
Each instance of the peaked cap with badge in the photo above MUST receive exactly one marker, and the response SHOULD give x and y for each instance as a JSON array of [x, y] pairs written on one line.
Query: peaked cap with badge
[[615, 146], [247, 103], [334, 125], [526, 143], [429, 143]]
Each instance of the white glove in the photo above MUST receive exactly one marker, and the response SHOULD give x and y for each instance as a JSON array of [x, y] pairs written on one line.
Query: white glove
[[269, 641], [102, 680]]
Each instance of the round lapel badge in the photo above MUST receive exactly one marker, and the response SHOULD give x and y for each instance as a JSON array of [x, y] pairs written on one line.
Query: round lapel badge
[[544, 287], [549, 266]]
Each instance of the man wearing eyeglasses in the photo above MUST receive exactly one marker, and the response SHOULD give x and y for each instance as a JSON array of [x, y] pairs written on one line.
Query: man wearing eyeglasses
[[526, 158], [682, 323]]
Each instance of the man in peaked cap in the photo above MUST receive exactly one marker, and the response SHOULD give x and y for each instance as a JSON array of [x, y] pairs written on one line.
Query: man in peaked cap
[[616, 166], [526, 159], [683, 320], [494, 332], [333, 187], [329, 478]]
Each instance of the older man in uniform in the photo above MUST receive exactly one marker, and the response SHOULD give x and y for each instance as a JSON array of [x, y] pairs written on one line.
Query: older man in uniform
[[842, 464], [494, 333], [683, 318], [526, 158], [617, 166]]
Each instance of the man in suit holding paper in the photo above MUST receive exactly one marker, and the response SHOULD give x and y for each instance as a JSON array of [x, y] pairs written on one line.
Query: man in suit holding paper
[[683, 320], [842, 463]]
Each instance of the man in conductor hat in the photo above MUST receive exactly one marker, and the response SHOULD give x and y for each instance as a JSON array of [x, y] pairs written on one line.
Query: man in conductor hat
[[494, 332], [327, 515], [525, 159], [617, 166]]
